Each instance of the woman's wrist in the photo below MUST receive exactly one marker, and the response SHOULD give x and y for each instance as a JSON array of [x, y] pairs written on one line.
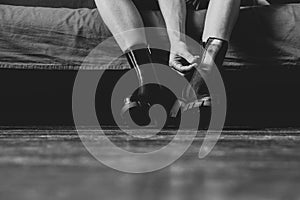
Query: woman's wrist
[[174, 43]]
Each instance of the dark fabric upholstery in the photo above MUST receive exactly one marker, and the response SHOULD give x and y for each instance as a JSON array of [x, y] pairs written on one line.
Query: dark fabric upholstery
[[143, 4], [51, 3], [51, 38]]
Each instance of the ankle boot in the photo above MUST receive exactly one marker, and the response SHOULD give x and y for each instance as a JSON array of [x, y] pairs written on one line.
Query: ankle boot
[[213, 56], [138, 104]]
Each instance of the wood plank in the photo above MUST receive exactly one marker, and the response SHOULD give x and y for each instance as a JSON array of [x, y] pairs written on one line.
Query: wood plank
[[245, 164]]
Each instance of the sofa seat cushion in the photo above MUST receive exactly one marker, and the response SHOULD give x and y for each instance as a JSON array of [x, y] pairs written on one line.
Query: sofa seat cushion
[[52, 38], [144, 4]]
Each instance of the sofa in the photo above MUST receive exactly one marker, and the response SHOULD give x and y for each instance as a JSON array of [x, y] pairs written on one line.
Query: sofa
[[44, 42]]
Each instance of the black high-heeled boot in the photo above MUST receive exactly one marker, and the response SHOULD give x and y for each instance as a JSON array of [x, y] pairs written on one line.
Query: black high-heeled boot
[[138, 104], [213, 56]]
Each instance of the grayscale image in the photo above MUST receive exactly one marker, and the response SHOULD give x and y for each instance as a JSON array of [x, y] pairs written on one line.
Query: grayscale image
[[149, 99]]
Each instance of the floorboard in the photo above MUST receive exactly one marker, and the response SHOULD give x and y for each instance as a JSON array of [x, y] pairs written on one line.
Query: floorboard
[[52, 163]]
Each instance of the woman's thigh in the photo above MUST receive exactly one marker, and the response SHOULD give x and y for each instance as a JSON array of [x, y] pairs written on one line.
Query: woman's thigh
[[152, 4]]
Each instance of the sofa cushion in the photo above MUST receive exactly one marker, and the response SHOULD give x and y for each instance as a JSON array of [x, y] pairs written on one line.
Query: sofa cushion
[[48, 38], [148, 4], [51, 3]]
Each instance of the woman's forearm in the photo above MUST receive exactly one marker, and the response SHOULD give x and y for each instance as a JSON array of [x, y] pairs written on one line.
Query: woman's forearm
[[174, 13]]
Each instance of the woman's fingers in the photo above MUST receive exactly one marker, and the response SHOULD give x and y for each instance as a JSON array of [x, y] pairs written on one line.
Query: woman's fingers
[[183, 61], [180, 67], [175, 64], [189, 57]]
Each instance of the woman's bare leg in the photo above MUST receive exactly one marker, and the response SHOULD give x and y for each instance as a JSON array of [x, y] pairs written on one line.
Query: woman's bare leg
[[220, 19], [121, 16]]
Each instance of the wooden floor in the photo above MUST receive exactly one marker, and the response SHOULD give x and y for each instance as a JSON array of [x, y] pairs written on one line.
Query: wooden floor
[[51, 163]]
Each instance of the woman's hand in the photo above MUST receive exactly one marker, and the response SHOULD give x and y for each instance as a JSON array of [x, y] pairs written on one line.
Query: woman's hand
[[181, 59]]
